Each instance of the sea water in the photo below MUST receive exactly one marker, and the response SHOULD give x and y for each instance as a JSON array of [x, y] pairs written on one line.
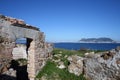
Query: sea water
[[92, 46]]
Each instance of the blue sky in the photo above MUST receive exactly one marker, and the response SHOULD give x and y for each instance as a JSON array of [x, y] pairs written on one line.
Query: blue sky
[[68, 20]]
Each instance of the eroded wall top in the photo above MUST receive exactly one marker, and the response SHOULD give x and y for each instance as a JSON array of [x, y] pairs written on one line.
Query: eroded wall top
[[13, 29], [17, 22]]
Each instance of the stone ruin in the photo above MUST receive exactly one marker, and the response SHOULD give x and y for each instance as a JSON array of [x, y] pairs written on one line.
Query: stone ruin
[[37, 49]]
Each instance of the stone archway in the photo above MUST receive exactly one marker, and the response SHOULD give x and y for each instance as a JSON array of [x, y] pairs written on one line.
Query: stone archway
[[12, 29]]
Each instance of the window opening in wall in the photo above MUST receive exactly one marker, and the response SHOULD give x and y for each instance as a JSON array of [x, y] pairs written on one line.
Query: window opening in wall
[[21, 41]]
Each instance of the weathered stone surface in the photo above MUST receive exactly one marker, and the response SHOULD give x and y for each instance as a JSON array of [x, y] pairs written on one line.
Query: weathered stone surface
[[38, 50], [106, 67], [118, 48], [19, 51], [76, 65], [11, 72], [17, 22], [89, 55], [4, 63], [61, 65], [6, 46]]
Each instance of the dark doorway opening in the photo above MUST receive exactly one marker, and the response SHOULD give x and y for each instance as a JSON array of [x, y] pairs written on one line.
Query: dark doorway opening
[[21, 70]]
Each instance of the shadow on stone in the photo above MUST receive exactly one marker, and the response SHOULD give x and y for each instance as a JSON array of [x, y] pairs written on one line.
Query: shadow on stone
[[6, 77], [21, 71]]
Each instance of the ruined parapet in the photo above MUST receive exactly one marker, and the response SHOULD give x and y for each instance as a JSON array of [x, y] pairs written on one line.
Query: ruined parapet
[[38, 51], [17, 22]]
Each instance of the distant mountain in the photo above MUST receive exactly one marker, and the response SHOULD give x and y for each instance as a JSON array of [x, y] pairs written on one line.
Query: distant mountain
[[97, 40]]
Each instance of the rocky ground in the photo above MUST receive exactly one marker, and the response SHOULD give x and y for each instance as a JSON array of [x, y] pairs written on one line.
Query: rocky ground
[[82, 65], [105, 66], [13, 69], [67, 65]]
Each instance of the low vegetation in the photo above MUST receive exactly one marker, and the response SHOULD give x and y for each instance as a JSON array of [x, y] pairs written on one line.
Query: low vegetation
[[22, 61], [51, 70]]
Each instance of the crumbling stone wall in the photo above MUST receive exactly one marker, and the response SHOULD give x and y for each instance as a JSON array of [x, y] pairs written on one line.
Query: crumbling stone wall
[[38, 51]]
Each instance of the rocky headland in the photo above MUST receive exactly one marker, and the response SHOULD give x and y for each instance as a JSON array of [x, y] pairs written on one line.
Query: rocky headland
[[97, 40]]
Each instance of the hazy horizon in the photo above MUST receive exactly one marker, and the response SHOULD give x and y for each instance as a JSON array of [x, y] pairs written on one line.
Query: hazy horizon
[[68, 20]]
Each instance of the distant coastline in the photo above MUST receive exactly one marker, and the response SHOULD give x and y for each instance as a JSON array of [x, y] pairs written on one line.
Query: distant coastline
[[90, 42]]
